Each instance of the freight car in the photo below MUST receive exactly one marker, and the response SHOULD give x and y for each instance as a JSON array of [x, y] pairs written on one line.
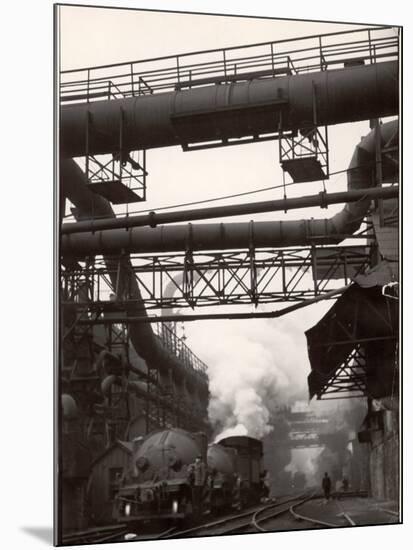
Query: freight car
[[248, 468], [222, 486], [160, 487]]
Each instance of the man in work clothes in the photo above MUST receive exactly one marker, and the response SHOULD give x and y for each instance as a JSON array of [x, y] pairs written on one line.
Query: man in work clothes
[[326, 484], [198, 478]]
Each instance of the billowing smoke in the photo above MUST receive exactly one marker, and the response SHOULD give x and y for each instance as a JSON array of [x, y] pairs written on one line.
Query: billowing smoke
[[340, 422], [254, 367], [277, 454], [248, 381], [250, 414], [303, 463], [345, 418]]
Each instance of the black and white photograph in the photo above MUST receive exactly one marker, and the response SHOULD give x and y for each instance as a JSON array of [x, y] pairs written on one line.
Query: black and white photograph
[[228, 357]]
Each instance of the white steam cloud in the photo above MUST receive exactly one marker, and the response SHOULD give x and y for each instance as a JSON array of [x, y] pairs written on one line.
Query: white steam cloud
[[304, 461], [254, 367]]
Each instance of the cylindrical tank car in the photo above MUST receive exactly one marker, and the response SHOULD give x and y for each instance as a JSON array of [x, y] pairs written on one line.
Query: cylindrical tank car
[[159, 487]]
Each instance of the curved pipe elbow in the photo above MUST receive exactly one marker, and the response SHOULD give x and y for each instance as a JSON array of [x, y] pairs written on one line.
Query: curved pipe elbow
[[360, 176]]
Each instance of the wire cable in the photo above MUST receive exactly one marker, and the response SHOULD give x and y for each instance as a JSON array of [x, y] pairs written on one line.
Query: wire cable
[[220, 198]]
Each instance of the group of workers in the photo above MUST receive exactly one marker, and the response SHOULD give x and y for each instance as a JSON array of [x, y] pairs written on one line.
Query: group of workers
[[198, 477]]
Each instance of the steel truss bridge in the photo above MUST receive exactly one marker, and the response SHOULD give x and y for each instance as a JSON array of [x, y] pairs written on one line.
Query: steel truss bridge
[[197, 279]]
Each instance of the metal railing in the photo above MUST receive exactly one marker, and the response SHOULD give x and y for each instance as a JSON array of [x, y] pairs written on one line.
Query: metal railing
[[176, 345], [268, 59]]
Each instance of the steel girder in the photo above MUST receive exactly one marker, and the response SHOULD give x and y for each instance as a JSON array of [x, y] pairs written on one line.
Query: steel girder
[[194, 279]]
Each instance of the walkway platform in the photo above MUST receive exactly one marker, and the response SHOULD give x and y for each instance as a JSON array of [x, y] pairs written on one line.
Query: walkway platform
[[235, 64]]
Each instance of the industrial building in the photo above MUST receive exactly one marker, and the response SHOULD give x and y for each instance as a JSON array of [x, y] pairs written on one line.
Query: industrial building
[[124, 370]]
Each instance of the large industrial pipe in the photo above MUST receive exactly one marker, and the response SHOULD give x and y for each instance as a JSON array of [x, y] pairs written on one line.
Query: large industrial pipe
[[234, 110], [153, 219], [242, 235], [145, 342]]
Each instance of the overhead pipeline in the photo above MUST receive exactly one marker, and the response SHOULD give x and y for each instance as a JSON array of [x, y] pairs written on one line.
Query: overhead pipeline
[[271, 234], [152, 219], [233, 110]]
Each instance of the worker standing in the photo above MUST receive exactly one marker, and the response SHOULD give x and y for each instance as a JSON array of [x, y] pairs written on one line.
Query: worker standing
[[198, 478], [326, 484], [265, 484]]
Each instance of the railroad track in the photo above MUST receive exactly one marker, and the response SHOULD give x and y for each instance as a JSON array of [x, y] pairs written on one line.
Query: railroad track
[[293, 511], [267, 515], [261, 519], [110, 534], [264, 516], [318, 522], [96, 535], [250, 519]]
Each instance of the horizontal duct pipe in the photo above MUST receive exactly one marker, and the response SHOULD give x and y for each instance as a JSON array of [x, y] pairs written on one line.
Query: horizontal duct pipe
[[153, 219], [145, 342], [230, 111], [270, 234]]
